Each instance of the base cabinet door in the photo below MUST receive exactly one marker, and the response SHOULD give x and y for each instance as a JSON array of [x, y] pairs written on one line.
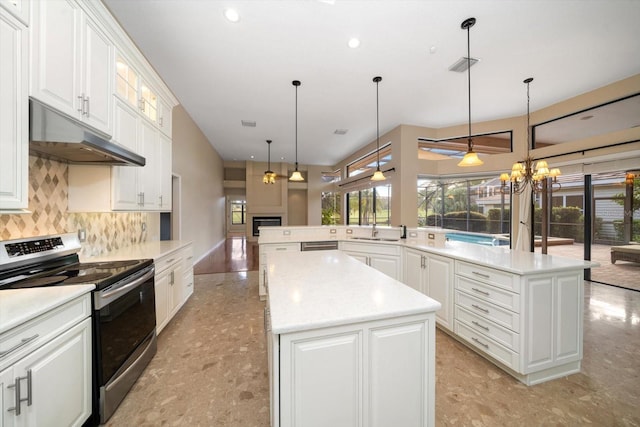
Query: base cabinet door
[[322, 386], [162, 301], [439, 286], [375, 374], [60, 386]]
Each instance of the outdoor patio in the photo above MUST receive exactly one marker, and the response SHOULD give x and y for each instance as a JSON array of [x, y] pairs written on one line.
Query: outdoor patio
[[622, 273]]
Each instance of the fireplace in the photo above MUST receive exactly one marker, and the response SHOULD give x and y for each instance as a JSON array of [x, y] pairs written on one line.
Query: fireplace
[[265, 221]]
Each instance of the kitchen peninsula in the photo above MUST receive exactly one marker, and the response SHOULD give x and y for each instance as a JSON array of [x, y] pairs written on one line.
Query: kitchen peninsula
[[522, 311], [347, 345]]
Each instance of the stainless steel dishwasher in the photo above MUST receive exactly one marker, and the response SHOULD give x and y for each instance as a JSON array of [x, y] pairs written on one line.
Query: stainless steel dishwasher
[[323, 245]]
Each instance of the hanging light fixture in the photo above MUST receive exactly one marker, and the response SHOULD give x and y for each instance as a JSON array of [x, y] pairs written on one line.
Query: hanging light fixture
[[296, 175], [377, 175], [524, 173], [471, 158], [269, 176]]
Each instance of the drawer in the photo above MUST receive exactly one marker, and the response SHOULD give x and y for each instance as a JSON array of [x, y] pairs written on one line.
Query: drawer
[[501, 335], [492, 294], [489, 275], [22, 340], [499, 315], [371, 248], [488, 346], [187, 257], [167, 261], [279, 247]]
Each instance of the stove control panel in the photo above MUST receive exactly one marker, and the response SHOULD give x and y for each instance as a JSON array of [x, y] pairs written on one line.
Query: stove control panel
[[33, 246]]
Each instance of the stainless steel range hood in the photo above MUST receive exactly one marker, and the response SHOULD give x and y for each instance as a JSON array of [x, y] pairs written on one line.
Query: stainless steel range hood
[[55, 135]]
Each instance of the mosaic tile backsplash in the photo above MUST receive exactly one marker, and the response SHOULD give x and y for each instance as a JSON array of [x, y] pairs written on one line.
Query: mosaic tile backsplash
[[48, 201]]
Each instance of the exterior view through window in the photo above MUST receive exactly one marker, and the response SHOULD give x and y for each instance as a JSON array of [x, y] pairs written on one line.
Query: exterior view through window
[[370, 206], [469, 205], [613, 226]]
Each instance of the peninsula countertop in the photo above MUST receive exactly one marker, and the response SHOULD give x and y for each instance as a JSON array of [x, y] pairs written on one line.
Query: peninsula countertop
[[311, 290]]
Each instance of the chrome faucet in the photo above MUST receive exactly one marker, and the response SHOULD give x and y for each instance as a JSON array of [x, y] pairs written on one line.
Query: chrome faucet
[[374, 232]]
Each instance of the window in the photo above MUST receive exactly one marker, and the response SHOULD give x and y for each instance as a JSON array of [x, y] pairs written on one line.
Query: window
[[369, 162], [456, 148], [475, 205], [238, 212], [370, 206], [331, 206]]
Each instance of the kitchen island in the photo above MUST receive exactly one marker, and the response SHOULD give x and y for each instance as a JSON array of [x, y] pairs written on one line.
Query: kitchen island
[[347, 344], [522, 311]]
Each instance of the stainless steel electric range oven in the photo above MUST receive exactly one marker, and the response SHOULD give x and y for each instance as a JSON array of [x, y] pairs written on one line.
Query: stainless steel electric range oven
[[124, 315]]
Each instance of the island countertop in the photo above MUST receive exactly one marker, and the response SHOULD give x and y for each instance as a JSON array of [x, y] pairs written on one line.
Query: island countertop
[[311, 290]]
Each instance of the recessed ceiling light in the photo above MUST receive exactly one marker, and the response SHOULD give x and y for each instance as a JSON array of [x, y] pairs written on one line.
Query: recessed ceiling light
[[353, 43], [253, 157], [433, 49], [232, 15]]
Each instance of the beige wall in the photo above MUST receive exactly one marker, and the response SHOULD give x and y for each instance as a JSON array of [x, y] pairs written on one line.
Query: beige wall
[[202, 201]]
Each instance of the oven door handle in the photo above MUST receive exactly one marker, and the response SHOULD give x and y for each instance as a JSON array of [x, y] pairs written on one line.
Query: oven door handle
[[126, 288]]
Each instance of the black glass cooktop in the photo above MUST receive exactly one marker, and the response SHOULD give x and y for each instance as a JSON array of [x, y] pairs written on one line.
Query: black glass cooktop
[[102, 274]]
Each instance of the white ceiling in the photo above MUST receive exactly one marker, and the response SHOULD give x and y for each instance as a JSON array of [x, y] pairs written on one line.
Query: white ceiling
[[223, 72]]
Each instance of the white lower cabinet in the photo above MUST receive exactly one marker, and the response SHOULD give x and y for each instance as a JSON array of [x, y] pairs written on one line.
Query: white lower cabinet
[[433, 276], [378, 373], [173, 284], [530, 324], [51, 384], [382, 257]]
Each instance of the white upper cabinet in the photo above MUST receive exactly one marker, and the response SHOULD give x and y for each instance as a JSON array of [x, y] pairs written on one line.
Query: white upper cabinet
[[71, 62], [136, 91], [165, 123], [14, 114], [18, 8]]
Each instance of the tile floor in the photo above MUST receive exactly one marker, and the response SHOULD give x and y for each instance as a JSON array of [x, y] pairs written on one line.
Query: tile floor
[[210, 369]]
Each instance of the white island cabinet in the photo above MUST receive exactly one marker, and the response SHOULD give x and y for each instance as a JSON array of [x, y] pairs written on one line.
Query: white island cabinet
[[347, 345]]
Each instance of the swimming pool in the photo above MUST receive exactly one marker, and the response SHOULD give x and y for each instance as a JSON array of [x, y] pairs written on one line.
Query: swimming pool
[[478, 239]]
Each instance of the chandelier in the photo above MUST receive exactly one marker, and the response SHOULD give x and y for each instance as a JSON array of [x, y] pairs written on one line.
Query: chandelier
[[269, 176], [524, 173]]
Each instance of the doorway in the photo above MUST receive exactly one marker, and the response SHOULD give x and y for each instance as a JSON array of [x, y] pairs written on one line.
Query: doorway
[[590, 215]]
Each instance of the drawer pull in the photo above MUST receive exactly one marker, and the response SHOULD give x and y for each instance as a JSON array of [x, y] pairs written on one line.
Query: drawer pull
[[22, 343], [281, 249], [480, 291], [486, 328], [481, 343], [486, 276], [477, 307], [169, 261]]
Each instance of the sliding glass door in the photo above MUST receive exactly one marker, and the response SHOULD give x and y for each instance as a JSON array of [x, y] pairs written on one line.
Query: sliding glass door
[[605, 217]]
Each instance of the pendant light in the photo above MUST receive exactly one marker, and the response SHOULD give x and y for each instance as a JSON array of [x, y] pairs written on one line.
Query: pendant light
[[296, 175], [269, 177], [377, 175], [471, 158]]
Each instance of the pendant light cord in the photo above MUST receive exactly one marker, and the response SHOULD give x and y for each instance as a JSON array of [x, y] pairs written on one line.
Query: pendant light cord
[[296, 127], [469, 142], [377, 80]]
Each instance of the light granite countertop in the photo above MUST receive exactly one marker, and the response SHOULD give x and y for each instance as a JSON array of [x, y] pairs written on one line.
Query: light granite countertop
[[155, 250], [310, 290], [21, 305]]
